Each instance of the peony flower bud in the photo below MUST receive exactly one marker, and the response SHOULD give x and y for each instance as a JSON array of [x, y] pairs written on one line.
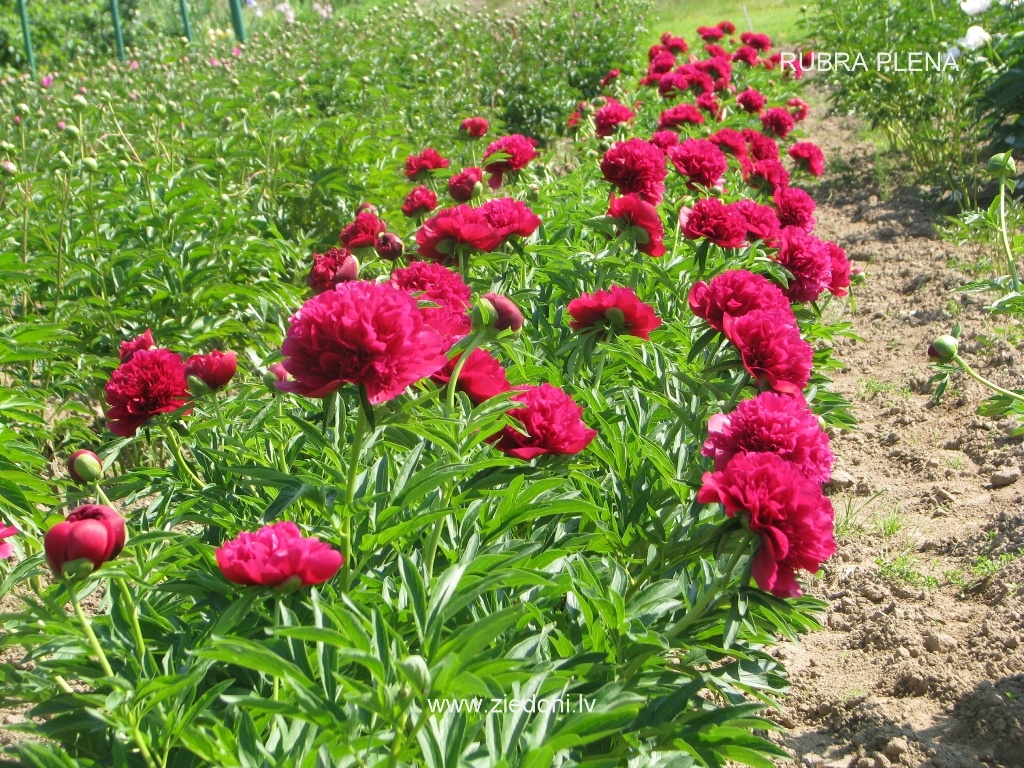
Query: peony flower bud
[[1002, 166], [507, 314], [944, 348], [8, 168], [91, 535], [389, 246], [85, 467], [210, 372]]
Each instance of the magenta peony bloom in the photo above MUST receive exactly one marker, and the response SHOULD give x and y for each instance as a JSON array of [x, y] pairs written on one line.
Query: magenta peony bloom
[[735, 293], [771, 423], [611, 116], [771, 348], [92, 533], [809, 157], [363, 232], [841, 274], [612, 76], [6, 531], [710, 34], [727, 27], [748, 56], [467, 184], [777, 121], [129, 348], [481, 378], [730, 141], [419, 201], [443, 296], [364, 333], [511, 153], [700, 160], [150, 383], [756, 40], [551, 422], [474, 127], [664, 139], [709, 103], [769, 175], [509, 217], [718, 222], [452, 228], [680, 114], [636, 167], [214, 369], [784, 508], [662, 63], [617, 309], [794, 208], [751, 100], [759, 146], [277, 555], [810, 262], [329, 269], [673, 43], [761, 221], [641, 220], [425, 163]]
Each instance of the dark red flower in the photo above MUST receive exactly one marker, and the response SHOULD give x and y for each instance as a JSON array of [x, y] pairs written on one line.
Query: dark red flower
[[772, 350], [757, 41], [680, 114], [840, 280], [731, 141], [636, 167], [728, 27], [809, 157], [772, 423], [510, 217], [338, 265], [389, 246], [150, 383], [784, 508], [716, 221], [551, 422], [277, 555], [661, 64], [423, 164], [419, 201], [762, 223], [611, 116], [451, 228], [700, 160], [664, 139], [617, 309], [769, 175], [794, 208], [751, 100], [214, 369], [370, 334], [748, 56], [481, 378], [710, 34], [474, 127], [641, 220], [363, 232], [759, 146], [511, 153], [92, 532], [735, 293], [809, 261], [673, 43], [777, 121], [509, 316], [609, 78], [709, 103], [129, 348], [466, 185]]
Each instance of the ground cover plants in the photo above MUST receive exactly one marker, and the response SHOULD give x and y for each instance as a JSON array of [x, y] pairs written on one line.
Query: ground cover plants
[[368, 423]]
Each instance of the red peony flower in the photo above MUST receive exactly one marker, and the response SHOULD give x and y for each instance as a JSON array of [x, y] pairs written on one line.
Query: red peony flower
[[731, 141], [680, 114], [840, 280], [673, 43], [664, 139], [751, 100], [150, 383], [474, 127], [129, 348], [769, 175], [784, 508], [277, 555], [432, 282], [717, 67], [756, 40], [641, 220], [389, 246], [709, 104], [760, 147], [810, 262], [656, 50], [748, 56], [608, 79], [420, 201], [611, 116], [710, 34], [6, 531], [481, 378], [363, 232], [636, 167], [618, 309], [551, 422], [809, 157], [700, 160], [762, 223], [735, 293], [364, 333], [660, 64], [425, 163], [794, 208], [727, 27], [451, 228], [511, 153], [771, 348], [466, 185], [771, 423], [510, 217], [338, 265], [798, 108], [716, 221], [214, 369], [777, 121], [715, 50], [93, 533]]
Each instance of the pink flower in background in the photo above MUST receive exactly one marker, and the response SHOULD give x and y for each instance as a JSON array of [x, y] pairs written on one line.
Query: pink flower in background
[[809, 157], [277, 554], [771, 348], [46, 81], [419, 201], [611, 116], [664, 139], [6, 531], [511, 153], [735, 293], [363, 232], [636, 167], [641, 220], [550, 422], [133, 66], [751, 100], [618, 309], [329, 269], [680, 115], [423, 164], [465, 185], [757, 41], [150, 383], [474, 127]]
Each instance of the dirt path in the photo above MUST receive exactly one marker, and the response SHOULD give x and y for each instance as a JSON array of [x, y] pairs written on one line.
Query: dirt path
[[921, 662]]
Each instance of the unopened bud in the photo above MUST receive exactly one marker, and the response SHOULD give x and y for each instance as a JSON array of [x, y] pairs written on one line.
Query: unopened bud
[[1002, 166], [944, 348], [508, 315], [85, 467]]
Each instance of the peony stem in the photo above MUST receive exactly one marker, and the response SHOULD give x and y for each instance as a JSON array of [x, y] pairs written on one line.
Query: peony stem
[[87, 629], [981, 379], [1011, 262], [220, 415], [133, 615], [474, 342], [737, 391], [350, 494], [431, 550], [175, 446]]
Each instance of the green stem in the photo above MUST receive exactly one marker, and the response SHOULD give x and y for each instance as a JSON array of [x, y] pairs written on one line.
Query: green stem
[[220, 415], [87, 629], [175, 446], [601, 355], [350, 494], [431, 550], [982, 380], [1010, 260], [474, 342], [737, 391], [133, 615]]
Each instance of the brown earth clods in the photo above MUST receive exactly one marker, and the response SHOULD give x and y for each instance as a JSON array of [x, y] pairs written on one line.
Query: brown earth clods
[[921, 661]]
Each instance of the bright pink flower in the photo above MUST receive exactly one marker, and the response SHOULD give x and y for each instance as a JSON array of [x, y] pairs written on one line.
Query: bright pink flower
[[617, 309], [781, 506], [715, 50], [608, 79], [370, 334], [673, 43], [150, 383], [798, 108], [759, 146], [735, 293], [772, 349], [511, 153], [433, 284], [510, 217], [727, 27], [481, 378], [363, 232], [794, 208], [762, 223], [452, 228], [680, 114], [551, 422], [92, 532], [664, 139], [809, 157], [731, 141], [129, 348], [756, 40], [748, 56], [777, 121], [751, 100], [214, 369], [474, 127], [338, 265], [611, 116], [465, 185], [810, 262], [716, 221], [636, 167], [641, 220], [700, 160], [710, 34], [661, 64], [277, 555], [717, 67], [709, 103], [423, 164], [771, 423], [840, 280], [656, 50], [769, 175], [419, 201], [6, 531]]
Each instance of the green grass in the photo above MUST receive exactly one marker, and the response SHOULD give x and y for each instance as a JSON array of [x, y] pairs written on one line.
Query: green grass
[[778, 18]]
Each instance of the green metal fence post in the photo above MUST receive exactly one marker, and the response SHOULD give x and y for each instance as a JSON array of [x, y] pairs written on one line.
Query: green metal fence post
[[115, 11], [236, 20], [27, 37], [185, 19]]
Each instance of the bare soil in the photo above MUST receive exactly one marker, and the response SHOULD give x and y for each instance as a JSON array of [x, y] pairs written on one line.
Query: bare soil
[[921, 661]]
